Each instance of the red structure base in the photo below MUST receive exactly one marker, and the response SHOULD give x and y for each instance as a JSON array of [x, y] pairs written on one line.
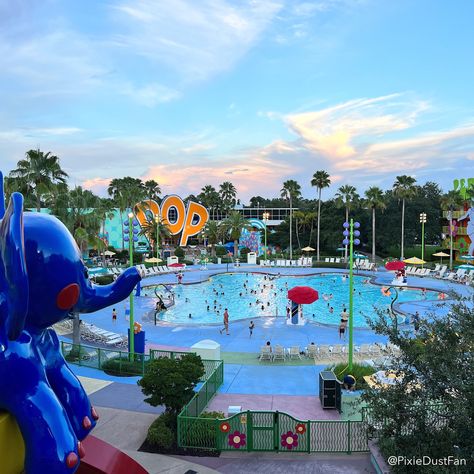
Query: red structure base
[[102, 458]]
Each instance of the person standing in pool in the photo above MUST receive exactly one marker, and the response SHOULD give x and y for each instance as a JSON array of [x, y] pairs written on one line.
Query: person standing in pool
[[251, 328], [114, 316], [226, 323]]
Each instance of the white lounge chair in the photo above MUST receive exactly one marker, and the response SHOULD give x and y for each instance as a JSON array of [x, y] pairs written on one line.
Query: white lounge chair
[[266, 353], [279, 353]]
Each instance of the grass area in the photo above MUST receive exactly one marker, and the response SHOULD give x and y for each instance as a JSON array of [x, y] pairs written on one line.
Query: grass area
[[358, 371]]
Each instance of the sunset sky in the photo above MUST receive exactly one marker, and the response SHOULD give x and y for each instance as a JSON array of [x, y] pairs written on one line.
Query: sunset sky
[[195, 92]]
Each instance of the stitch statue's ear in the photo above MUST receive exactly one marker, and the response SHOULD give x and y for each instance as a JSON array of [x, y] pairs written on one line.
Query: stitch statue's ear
[[2, 198], [13, 272]]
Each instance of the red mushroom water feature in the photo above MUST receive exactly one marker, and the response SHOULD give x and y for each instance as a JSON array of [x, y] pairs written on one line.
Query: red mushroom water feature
[[300, 295]]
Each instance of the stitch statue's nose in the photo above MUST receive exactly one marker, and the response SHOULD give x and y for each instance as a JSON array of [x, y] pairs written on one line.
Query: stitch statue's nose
[[68, 296]]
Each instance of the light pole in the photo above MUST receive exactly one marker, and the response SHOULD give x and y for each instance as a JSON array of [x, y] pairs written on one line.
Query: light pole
[[349, 234], [130, 236], [291, 228], [422, 221], [157, 220], [266, 216]]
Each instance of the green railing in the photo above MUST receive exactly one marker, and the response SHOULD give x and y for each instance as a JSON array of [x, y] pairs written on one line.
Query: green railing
[[120, 362], [271, 431], [191, 428], [123, 364]]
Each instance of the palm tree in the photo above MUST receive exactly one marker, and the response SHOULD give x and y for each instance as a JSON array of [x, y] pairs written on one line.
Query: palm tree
[[404, 188], [321, 180], [155, 231], [227, 193], [346, 196], [40, 172], [214, 232], [374, 199], [234, 225], [152, 189], [290, 191], [451, 201], [209, 198]]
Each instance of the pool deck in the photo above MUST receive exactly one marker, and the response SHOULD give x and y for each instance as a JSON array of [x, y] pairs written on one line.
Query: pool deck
[[290, 387]]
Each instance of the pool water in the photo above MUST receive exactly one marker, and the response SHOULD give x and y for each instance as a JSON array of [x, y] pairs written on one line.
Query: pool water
[[258, 295]]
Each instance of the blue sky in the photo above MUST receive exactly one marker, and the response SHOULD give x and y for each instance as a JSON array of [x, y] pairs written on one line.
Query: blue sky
[[195, 92]]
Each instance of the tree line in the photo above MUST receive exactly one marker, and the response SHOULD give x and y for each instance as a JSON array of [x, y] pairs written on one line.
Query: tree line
[[389, 218]]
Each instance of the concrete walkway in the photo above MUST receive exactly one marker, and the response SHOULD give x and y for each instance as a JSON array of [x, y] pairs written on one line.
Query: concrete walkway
[[281, 463], [302, 408], [127, 430]]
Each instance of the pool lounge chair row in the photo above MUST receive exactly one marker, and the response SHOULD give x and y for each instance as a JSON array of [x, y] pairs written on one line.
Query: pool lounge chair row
[[278, 352], [92, 333], [421, 272], [333, 260], [326, 351], [301, 262], [363, 264], [461, 275]]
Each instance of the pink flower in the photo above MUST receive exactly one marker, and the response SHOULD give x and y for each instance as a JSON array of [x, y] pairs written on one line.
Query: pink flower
[[237, 439], [289, 440]]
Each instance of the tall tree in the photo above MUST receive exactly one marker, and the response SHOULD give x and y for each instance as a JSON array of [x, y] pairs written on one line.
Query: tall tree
[[209, 198], [346, 197], [320, 180], [451, 201], [40, 172], [152, 190], [404, 189], [228, 194], [214, 232], [291, 191], [234, 225], [374, 199]]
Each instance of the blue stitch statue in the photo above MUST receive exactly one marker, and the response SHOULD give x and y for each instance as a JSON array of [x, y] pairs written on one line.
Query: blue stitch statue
[[42, 280]]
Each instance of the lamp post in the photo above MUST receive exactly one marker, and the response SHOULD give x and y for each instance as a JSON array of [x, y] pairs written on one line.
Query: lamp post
[[422, 221], [266, 216], [130, 232], [349, 234], [157, 220]]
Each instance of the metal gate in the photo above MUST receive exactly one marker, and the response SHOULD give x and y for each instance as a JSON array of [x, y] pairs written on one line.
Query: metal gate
[[263, 431]]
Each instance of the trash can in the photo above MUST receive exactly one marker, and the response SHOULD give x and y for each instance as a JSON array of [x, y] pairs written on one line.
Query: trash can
[[219, 260], [329, 390]]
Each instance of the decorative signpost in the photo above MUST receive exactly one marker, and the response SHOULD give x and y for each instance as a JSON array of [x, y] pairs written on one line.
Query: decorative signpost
[[130, 235], [349, 234]]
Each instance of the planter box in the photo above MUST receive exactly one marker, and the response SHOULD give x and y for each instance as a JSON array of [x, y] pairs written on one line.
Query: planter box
[[377, 460]]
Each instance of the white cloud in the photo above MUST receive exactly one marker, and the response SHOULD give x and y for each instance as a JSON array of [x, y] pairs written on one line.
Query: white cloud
[[222, 32], [150, 95]]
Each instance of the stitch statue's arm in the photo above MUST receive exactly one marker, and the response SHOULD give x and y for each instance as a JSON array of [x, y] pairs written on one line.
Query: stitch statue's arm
[[66, 386]]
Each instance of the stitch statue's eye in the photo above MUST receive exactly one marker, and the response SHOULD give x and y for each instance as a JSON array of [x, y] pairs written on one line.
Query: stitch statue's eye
[[86, 273]]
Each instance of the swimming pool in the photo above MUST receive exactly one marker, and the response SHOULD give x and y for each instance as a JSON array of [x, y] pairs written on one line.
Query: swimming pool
[[252, 295]]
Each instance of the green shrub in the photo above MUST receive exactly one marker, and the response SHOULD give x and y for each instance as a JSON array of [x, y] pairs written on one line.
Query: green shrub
[[124, 367], [160, 435], [104, 279], [171, 382], [358, 371], [179, 252], [221, 251]]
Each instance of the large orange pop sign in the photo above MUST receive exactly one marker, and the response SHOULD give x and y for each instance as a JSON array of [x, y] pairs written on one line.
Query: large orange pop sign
[[188, 220]]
